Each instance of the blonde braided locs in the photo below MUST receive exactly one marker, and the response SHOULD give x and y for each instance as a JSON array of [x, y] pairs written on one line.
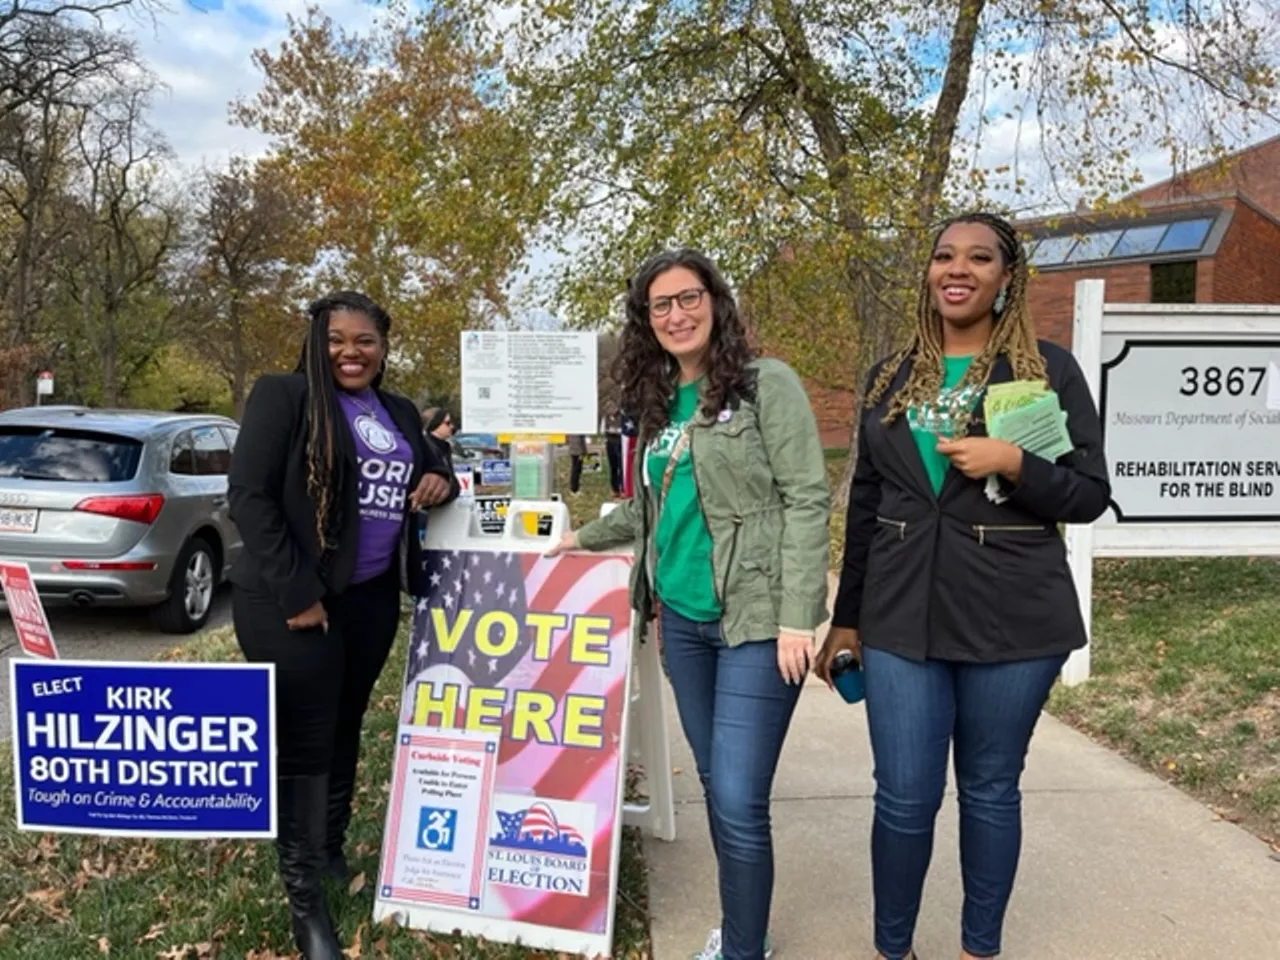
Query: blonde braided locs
[[1013, 335]]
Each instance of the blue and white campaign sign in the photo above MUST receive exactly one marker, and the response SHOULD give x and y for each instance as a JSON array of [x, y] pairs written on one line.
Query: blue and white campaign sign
[[495, 473], [144, 749]]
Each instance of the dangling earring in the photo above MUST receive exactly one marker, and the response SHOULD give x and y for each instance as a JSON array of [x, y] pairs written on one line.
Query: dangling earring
[[998, 307]]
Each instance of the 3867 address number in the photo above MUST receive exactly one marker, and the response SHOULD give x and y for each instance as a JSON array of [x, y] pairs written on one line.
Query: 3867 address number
[[1212, 381]]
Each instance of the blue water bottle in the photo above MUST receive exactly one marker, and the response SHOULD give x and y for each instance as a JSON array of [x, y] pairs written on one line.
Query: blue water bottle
[[846, 676]]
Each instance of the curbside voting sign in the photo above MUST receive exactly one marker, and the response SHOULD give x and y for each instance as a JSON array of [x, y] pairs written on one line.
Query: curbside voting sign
[[144, 750]]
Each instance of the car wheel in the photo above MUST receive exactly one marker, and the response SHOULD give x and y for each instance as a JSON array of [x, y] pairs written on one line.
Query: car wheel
[[190, 590]]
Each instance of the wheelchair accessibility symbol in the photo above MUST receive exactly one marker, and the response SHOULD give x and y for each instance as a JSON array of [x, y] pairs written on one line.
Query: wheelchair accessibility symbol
[[437, 828]]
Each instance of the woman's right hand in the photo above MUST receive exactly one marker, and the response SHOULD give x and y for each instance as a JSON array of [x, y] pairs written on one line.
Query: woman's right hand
[[838, 638], [314, 616], [567, 543]]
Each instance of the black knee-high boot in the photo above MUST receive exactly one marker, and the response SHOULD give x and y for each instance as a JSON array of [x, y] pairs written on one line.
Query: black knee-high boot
[[300, 845], [341, 786]]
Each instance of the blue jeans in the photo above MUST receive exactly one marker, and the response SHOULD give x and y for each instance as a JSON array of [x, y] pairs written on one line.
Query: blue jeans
[[916, 711], [735, 709]]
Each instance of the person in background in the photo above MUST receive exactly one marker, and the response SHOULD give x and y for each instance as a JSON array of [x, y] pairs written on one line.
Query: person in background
[[961, 604], [629, 431], [577, 453], [327, 472], [437, 426], [729, 523], [611, 427]]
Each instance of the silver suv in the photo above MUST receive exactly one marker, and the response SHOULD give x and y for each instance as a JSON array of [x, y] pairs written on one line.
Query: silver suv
[[119, 507]]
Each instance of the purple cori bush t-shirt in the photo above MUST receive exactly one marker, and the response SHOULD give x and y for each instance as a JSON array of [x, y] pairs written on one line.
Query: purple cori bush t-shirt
[[385, 464]]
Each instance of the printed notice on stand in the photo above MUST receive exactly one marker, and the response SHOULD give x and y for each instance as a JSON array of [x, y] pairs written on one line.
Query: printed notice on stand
[[526, 381], [434, 846]]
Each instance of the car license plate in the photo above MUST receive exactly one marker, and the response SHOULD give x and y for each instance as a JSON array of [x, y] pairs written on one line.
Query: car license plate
[[18, 521]]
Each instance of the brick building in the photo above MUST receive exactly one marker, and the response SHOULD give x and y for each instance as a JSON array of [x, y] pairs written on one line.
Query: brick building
[[1211, 235]]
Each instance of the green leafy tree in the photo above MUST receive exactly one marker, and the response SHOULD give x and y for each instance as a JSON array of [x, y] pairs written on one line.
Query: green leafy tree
[[810, 145], [420, 186]]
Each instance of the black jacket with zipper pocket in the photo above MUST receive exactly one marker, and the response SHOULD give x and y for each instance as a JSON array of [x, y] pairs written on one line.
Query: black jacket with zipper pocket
[[276, 514], [956, 576]]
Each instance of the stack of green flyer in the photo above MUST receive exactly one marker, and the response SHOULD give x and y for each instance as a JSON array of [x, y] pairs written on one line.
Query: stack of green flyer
[[1027, 414]]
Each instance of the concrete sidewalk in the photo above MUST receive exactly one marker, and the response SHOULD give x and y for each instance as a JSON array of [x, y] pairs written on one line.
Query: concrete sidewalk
[[1116, 865]]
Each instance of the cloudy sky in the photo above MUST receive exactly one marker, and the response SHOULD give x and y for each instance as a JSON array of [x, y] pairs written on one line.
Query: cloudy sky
[[200, 50]]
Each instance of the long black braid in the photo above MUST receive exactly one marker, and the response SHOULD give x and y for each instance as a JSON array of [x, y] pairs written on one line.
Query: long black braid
[[324, 470]]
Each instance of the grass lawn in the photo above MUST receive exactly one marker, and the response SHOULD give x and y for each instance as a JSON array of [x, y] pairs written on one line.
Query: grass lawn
[[1186, 678], [63, 897]]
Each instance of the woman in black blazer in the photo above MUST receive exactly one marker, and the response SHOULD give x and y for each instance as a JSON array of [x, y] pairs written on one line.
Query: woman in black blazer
[[955, 588], [327, 478]]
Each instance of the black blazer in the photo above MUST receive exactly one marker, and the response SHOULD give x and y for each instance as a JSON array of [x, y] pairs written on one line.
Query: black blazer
[[275, 514], [442, 448], [956, 576]]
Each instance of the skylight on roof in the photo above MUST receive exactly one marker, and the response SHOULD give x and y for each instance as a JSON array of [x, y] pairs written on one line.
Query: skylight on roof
[[1187, 235], [1140, 241], [1051, 250], [1095, 246], [1112, 243]]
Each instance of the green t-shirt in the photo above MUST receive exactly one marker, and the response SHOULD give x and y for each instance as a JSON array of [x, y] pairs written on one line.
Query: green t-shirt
[[933, 420], [683, 572]]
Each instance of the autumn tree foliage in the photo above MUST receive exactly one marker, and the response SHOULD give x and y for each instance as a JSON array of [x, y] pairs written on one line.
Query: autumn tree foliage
[[420, 187], [810, 145]]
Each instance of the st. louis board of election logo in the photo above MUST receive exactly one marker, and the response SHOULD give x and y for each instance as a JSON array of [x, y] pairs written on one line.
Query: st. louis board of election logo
[[376, 437], [539, 844]]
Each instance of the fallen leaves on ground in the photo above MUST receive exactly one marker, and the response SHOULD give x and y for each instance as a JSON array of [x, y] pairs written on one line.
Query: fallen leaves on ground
[[355, 949], [201, 951], [153, 933], [49, 900]]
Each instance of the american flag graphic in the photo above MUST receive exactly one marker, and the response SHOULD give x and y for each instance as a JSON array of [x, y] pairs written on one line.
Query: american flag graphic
[[481, 582], [518, 583], [539, 823]]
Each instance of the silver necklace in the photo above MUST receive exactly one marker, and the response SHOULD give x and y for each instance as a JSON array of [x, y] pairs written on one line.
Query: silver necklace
[[370, 411]]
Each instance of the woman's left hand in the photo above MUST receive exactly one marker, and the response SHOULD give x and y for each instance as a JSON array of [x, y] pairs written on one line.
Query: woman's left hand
[[431, 489], [979, 457], [795, 655]]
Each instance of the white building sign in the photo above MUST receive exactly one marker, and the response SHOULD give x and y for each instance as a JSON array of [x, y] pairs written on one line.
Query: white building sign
[[1189, 397], [1189, 433]]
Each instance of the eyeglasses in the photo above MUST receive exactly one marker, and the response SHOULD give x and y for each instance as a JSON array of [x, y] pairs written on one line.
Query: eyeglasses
[[688, 300]]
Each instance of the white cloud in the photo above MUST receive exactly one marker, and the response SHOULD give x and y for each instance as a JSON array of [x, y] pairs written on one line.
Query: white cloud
[[203, 59]]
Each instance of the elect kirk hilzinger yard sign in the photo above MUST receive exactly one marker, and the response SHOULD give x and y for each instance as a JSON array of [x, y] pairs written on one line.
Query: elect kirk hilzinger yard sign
[[143, 749], [1189, 399]]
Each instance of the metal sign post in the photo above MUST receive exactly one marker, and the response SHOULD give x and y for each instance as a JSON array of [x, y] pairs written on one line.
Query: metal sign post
[[44, 385]]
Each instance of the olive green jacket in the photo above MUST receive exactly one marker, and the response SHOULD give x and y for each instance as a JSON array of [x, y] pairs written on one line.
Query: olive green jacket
[[762, 483]]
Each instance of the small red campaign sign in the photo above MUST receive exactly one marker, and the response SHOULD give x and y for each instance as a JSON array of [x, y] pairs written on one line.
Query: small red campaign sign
[[27, 611]]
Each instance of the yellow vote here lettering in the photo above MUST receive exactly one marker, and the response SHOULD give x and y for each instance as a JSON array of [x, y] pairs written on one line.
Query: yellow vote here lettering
[[531, 713]]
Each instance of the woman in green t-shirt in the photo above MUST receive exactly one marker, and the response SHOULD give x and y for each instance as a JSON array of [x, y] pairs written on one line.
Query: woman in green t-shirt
[[730, 525]]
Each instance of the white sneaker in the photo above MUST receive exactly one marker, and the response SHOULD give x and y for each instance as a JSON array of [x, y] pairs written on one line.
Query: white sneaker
[[711, 949]]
